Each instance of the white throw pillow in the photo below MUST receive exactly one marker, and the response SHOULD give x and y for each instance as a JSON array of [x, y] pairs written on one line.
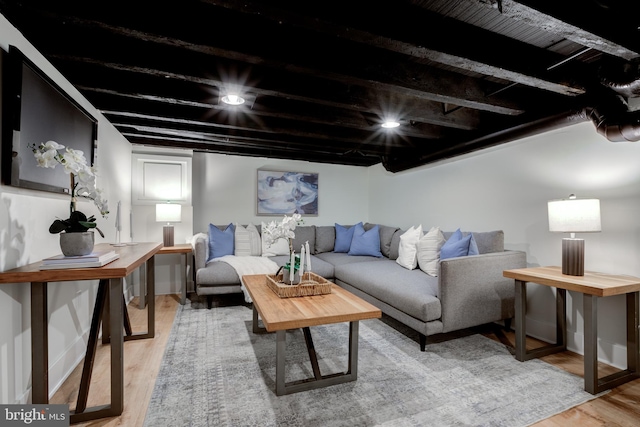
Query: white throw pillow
[[247, 241], [429, 251], [407, 251], [279, 247]]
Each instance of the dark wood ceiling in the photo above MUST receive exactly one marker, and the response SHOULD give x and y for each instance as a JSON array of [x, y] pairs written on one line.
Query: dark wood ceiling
[[320, 77]]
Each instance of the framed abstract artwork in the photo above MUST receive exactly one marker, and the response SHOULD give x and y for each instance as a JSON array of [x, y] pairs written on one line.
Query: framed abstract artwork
[[287, 193]]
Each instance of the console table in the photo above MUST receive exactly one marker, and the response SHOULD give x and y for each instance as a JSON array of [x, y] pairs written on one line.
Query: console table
[[184, 250], [592, 286], [110, 294]]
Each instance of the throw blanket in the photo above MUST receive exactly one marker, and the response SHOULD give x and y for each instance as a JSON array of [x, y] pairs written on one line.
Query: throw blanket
[[248, 265]]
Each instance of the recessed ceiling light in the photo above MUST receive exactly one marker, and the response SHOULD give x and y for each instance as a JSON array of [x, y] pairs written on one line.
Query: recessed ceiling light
[[390, 124], [233, 99]]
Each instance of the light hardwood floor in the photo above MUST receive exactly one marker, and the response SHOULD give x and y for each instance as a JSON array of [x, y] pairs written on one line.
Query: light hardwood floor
[[142, 358]]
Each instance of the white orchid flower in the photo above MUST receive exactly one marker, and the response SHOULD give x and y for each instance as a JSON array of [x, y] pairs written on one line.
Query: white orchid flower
[[76, 155], [46, 159], [284, 229], [74, 162], [51, 145], [85, 177]]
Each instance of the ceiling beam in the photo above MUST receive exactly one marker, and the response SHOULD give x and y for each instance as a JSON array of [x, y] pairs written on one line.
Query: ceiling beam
[[530, 15], [451, 87], [524, 64], [412, 108]]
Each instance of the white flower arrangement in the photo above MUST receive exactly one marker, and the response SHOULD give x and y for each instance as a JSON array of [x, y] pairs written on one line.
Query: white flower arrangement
[[82, 184], [284, 229], [48, 156]]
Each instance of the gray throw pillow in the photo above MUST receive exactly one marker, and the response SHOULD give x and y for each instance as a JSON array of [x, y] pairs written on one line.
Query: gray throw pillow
[[325, 238], [304, 233], [394, 249]]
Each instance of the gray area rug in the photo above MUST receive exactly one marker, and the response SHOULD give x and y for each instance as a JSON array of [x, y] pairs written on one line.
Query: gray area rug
[[216, 372]]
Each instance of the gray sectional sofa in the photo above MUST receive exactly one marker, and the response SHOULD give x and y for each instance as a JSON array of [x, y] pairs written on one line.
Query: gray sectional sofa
[[468, 291]]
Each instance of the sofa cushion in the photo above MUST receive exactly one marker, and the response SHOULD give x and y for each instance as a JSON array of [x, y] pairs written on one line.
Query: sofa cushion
[[408, 251], [386, 236], [410, 291], [340, 258], [365, 242], [247, 241], [487, 241], [429, 247], [325, 238], [221, 242], [344, 235], [304, 233], [217, 273]]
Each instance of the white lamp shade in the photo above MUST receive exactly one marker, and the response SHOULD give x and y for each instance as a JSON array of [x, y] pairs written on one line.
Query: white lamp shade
[[168, 212], [574, 216]]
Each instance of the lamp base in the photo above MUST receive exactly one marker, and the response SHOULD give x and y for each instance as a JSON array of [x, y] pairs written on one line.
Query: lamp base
[[167, 235], [573, 256]]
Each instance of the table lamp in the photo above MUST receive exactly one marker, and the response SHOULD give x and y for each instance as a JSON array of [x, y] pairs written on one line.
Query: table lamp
[[168, 212], [574, 215]]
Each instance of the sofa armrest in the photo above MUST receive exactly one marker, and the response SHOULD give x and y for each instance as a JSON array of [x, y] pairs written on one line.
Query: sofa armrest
[[473, 291], [201, 248]]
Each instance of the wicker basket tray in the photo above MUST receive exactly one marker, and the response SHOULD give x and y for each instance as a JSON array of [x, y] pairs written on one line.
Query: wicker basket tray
[[311, 285]]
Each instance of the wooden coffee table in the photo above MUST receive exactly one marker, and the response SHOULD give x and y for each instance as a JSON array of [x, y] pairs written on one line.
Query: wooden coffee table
[[279, 314]]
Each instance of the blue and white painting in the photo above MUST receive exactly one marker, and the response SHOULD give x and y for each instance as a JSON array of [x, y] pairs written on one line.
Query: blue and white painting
[[287, 193]]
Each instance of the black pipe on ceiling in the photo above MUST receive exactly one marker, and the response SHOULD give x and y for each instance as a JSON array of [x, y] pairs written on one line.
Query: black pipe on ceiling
[[612, 119], [616, 127]]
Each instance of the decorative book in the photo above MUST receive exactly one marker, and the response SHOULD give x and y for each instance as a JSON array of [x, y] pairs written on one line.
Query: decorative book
[[92, 257], [82, 263]]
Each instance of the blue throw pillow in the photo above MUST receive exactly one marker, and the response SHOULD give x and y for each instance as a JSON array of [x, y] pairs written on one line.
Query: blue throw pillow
[[457, 245], [473, 246], [365, 242], [221, 242], [452, 249], [456, 236], [344, 235]]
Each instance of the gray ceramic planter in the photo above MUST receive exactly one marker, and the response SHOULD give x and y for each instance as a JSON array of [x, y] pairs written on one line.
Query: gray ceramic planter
[[286, 276], [76, 244]]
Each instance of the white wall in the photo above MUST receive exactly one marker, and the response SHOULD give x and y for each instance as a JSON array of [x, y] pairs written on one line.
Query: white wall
[[224, 190], [25, 216], [508, 187]]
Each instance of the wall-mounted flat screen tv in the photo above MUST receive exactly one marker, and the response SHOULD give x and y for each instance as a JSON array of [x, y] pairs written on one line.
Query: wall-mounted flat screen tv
[[35, 110]]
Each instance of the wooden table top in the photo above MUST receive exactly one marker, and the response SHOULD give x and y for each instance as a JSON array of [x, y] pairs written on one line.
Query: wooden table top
[[131, 257], [592, 283], [298, 312], [184, 248]]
